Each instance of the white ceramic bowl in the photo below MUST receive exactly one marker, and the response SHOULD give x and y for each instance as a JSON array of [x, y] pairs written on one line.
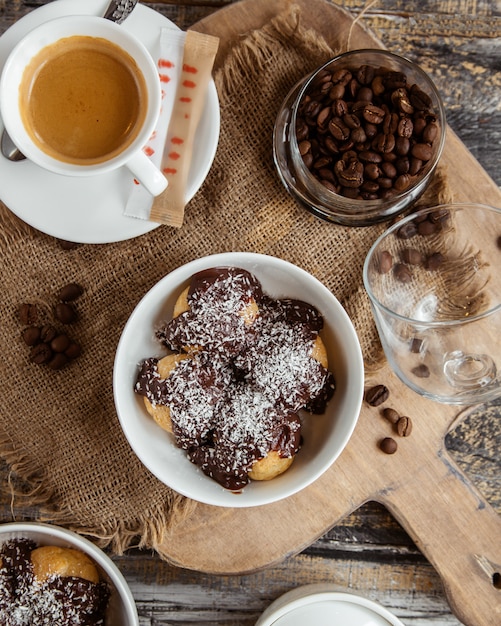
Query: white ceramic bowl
[[121, 609], [324, 436], [324, 604]]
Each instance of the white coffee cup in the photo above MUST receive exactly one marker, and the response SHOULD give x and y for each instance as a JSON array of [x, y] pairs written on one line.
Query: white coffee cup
[[86, 30]]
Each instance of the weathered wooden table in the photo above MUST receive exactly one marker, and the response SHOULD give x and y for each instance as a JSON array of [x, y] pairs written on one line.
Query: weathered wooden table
[[459, 43]]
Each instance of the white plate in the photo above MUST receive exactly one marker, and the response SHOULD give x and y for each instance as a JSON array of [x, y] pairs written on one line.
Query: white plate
[[90, 210], [121, 609], [325, 436], [322, 606]]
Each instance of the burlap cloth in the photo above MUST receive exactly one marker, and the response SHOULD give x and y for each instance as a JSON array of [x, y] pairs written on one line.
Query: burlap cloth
[[59, 432]]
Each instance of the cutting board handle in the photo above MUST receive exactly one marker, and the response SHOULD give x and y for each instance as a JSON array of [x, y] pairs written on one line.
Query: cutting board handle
[[457, 531]]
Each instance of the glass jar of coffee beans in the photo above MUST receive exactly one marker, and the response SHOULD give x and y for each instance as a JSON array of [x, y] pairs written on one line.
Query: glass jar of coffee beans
[[357, 141]]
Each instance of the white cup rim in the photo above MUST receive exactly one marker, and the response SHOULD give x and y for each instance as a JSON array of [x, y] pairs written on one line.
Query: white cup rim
[[47, 33]]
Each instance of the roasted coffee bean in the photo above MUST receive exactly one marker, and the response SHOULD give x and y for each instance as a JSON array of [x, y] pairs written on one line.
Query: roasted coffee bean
[[440, 216], [365, 74], [421, 371], [31, 335], [391, 415], [422, 151], [434, 261], [415, 166], [60, 343], [405, 127], [407, 230], [402, 182], [498, 241], [73, 351], [70, 292], [416, 345], [372, 113], [402, 273], [419, 99], [28, 313], [58, 361], [430, 133], [65, 313], [388, 445], [338, 129], [427, 228], [304, 147], [404, 426], [351, 174], [402, 146], [377, 395], [372, 171], [384, 262], [411, 256], [47, 333], [40, 354]]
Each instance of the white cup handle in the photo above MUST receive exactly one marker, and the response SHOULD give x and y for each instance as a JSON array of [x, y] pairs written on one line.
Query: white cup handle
[[147, 173]]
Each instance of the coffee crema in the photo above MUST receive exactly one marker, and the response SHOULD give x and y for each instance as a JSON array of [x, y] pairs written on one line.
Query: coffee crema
[[83, 100]]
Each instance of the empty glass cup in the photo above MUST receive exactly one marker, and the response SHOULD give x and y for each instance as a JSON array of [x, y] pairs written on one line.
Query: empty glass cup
[[434, 281]]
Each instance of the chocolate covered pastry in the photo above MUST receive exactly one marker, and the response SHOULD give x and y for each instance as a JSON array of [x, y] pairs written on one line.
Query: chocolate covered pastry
[[49, 585], [245, 365]]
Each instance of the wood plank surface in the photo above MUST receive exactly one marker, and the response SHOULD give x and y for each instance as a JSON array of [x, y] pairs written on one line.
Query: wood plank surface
[[367, 551]]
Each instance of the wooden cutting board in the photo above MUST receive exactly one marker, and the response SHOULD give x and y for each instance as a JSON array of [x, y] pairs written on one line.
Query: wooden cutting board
[[450, 522]]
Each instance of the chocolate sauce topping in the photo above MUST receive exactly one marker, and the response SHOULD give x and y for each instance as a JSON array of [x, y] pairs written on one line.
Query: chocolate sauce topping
[[237, 398], [59, 601]]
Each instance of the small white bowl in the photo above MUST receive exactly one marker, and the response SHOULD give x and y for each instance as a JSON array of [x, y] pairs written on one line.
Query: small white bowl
[[324, 604], [121, 609], [324, 436]]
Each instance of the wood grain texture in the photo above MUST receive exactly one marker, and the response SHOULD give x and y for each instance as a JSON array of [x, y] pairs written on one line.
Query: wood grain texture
[[367, 551]]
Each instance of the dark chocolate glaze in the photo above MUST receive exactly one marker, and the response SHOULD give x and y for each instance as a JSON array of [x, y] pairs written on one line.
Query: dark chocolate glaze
[[237, 399], [60, 601]]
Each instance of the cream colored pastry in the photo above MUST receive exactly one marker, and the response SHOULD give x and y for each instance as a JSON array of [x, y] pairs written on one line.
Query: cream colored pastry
[[56, 561], [270, 466], [160, 412]]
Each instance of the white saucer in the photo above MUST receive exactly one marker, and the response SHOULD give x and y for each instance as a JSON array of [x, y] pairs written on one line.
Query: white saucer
[[90, 210]]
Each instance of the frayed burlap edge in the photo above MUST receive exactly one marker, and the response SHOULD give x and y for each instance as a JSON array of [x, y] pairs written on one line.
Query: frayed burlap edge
[[27, 487]]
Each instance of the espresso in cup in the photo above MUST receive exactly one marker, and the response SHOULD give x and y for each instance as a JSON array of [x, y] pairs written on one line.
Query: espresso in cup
[[81, 96], [83, 99]]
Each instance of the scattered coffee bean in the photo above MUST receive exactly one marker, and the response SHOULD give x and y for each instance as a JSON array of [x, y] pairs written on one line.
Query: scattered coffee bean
[[65, 313], [499, 242], [28, 313], [60, 343], [70, 292], [47, 333], [421, 371], [377, 395], [73, 351], [48, 345], [388, 445], [391, 415], [427, 227], [434, 261], [385, 262], [366, 115], [411, 256], [402, 273], [31, 335], [58, 361], [407, 230], [404, 426], [416, 345], [40, 353]]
